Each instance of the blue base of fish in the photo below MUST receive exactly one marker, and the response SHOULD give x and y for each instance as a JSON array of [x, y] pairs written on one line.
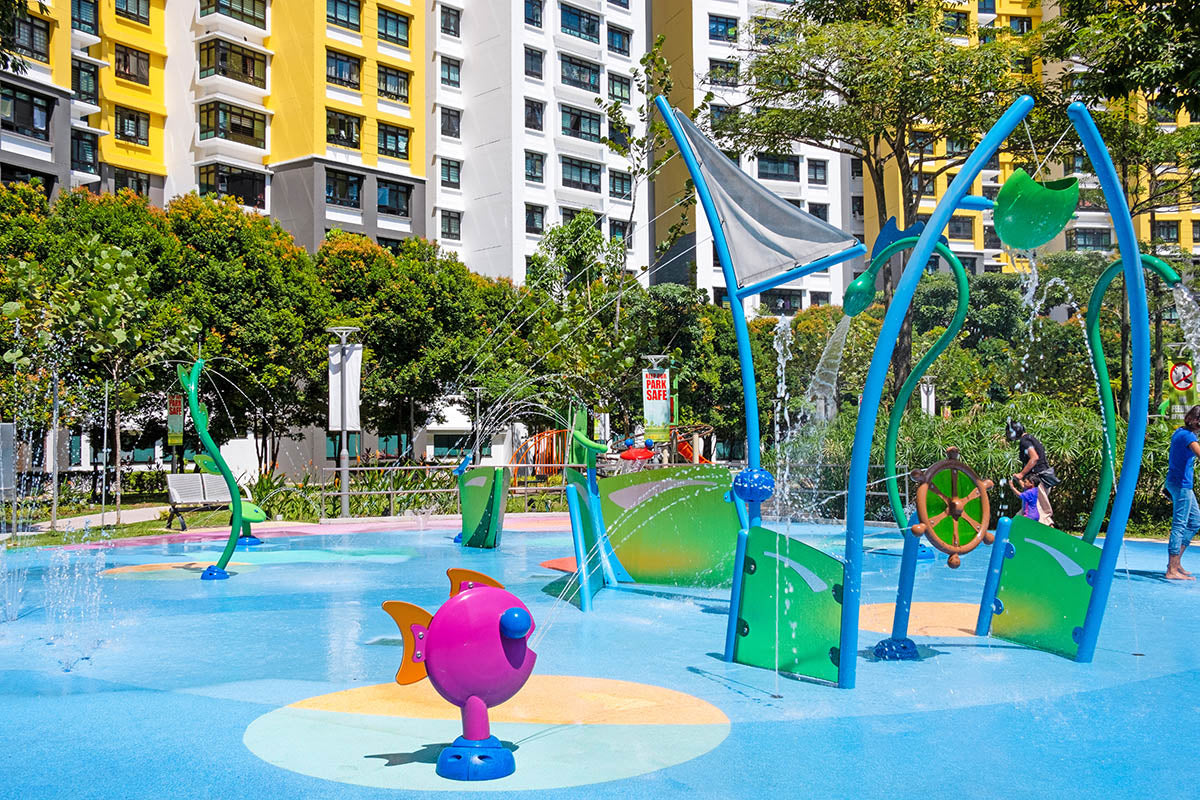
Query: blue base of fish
[[214, 573], [476, 760], [248, 540]]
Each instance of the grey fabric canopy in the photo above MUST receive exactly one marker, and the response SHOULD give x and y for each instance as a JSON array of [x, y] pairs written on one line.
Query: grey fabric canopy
[[766, 234]]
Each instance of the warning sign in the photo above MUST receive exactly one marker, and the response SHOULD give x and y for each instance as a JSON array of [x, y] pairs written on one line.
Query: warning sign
[[174, 420], [1182, 377]]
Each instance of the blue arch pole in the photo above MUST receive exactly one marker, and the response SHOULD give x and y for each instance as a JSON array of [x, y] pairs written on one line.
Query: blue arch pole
[[1139, 395], [741, 331], [864, 430]]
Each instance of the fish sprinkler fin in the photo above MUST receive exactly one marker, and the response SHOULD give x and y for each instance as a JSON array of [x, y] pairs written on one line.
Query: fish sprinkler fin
[[413, 622], [463, 579]]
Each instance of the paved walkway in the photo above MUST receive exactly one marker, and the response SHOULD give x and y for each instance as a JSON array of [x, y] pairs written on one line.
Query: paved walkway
[[107, 518]]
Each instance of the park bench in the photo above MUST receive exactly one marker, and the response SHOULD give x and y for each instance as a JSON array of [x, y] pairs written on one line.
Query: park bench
[[195, 491]]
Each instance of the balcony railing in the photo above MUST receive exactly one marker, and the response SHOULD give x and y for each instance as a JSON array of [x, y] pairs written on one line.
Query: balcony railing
[[235, 73]]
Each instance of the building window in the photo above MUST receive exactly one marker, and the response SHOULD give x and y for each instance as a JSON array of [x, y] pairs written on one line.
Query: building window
[[580, 124], [722, 29], [31, 38], [451, 123], [219, 57], [342, 188], [333, 444], [1020, 25], [1166, 230], [922, 184], [1089, 239], [342, 129], [393, 83], [619, 230], [393, 27], [395, 444], [818, 172], [134, 126], [343, 13], [856, 206], [137, 10], [132, 65], [856, 168], [955, 22], [249, 187], [820, 299], [342, 69], [535, 167], [252, 12], [619, 39], [580, 23], [451, 21], [534, 113], [223, 121], [533, 62], [136, 182], [778, 168], [580, 174], [453, 445], [85, 81], [819, 210], [782, 302], [83, 15], [392, 198], [723, 73], [393, 141], [535, 218], [581, 74], [25, 113], [961, 228], [451, 72], [990, 240], [451, 173], [533, 13], [619, 88], [84, 152], [987, 6], [452, 225], [620, 185]]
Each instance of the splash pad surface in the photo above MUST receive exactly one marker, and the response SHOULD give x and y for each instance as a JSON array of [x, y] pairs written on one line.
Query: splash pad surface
[[233, 688]]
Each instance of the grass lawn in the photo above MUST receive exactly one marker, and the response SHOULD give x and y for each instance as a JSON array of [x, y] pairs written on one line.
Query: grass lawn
[[198, 519]]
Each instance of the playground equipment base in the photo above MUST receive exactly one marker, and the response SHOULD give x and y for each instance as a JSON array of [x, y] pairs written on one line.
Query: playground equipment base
[[476, 760]]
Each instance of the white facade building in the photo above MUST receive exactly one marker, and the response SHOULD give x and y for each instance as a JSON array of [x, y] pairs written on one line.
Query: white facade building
[[516, 131]]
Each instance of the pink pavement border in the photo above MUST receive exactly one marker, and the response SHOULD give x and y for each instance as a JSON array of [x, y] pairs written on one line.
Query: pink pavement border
[[530, 522]]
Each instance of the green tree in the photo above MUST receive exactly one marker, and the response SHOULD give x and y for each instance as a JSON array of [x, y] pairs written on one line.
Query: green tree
[[262, 309], [883, 89], [101, 306]]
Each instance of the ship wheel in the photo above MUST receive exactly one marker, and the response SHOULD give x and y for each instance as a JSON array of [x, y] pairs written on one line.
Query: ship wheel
[[953, 508]]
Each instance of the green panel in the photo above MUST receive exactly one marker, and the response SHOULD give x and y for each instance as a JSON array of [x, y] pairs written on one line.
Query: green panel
[[1044, 587], [801, 635], [595, 568], [481, 493], [672, 526]]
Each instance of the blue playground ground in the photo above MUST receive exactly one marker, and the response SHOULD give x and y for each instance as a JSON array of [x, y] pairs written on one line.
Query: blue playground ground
[[260, 686]]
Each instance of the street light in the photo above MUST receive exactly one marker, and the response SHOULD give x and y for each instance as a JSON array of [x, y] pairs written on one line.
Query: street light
[[342, 332]]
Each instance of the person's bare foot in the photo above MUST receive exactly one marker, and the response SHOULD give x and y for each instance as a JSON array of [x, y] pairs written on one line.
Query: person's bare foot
[[1178, 575]]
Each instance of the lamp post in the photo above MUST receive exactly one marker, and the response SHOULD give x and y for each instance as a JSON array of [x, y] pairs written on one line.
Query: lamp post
[[343, 332]]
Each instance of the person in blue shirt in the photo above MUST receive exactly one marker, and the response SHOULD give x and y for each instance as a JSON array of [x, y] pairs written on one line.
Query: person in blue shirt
[[1185, 514], [1027, 489]]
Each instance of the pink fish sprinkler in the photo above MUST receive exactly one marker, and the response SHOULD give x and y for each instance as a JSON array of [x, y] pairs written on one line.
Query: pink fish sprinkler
[[475, 652]]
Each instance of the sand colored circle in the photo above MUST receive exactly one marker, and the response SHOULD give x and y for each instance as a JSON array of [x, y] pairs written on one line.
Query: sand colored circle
[[171, 570], [943, 620], [567, 731]]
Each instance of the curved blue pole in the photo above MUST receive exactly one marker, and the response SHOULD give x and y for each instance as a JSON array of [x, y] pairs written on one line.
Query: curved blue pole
[[740, 330], [864, 431], [1139, 395]]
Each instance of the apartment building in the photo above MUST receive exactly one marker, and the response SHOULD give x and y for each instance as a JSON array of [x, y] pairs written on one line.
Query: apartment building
[[306, 115], [516, 131], [702, 46]]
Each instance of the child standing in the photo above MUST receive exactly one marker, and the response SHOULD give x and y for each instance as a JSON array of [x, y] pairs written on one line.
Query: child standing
[[1026, 489]]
